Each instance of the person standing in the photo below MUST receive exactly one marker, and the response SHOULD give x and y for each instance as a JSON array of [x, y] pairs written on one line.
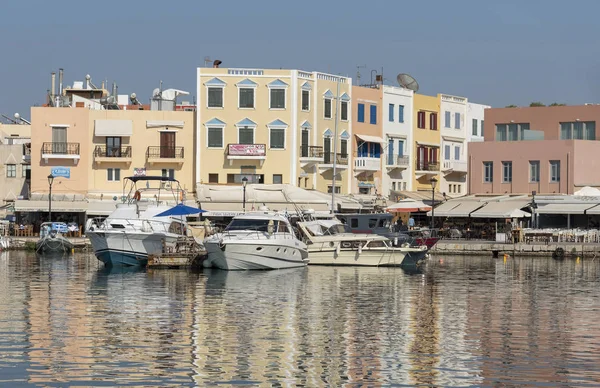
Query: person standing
[[411, 223]]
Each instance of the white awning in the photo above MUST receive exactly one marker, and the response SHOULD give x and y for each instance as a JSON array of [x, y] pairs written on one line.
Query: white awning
[[100, 208], [502, 209], [428, 144], [25, 205], [565, 208], [165, 123], [457, 208], [370, 139], [113, 127], [593, 210]]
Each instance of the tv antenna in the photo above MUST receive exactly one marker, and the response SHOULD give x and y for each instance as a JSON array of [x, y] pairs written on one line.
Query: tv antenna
[[207, 60], [358, 73], [407, 82]]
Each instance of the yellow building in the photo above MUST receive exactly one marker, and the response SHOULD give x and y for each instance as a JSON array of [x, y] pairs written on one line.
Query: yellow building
[[427, 140], [273, 126], [98, 148]]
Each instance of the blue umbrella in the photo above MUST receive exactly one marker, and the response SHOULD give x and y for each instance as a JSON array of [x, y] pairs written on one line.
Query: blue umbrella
[[180, 210]]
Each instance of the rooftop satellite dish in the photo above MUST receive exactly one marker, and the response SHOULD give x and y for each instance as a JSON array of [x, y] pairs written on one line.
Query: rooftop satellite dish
[[407, 82]]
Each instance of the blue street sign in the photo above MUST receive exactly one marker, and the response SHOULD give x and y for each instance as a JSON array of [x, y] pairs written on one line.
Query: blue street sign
[[64, 172]]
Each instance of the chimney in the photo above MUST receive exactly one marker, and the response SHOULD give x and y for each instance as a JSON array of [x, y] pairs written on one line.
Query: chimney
[[60, 81], [53, 85], [216, 63]]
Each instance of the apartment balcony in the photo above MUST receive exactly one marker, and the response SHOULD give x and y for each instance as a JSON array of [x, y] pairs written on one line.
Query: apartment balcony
[[426, 168], [104, 154], [60, 150], [246, 152], [393, 162], [450, 166], [366, 164], [165, 154], [311, 155], [329, 159]]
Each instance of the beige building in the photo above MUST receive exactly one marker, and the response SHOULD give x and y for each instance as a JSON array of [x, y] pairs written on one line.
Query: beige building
[[15, 155], [272, 127], [98, 148]]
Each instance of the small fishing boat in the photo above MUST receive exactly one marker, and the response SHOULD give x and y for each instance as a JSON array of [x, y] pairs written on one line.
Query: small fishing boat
[[52, 239]]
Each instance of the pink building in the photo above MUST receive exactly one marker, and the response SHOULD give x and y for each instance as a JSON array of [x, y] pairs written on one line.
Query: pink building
[[543, 149]]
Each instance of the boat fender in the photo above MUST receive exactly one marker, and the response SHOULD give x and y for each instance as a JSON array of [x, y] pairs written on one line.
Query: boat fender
[[396, 241], [221, 245], [359, 249], [137, 196], [337, 249]]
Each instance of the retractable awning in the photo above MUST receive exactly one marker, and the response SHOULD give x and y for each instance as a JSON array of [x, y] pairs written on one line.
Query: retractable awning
[[502, 209], [370, 139], [25, 205], [565, 208], [457, 208], [113, 128]]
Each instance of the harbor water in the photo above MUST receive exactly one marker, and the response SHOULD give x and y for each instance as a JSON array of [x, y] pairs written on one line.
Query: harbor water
[[461, 321]]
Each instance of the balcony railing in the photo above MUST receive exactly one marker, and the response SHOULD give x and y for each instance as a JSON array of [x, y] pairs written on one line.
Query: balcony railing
[[307, 151], [422, 166], [59, 148], [102, 151], [164, 152], [397, 160], [328, 158], [366, 162]]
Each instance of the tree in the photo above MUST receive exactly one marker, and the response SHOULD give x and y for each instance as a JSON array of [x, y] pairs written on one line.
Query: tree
[[511, 106], [557, 104], [536, 103]]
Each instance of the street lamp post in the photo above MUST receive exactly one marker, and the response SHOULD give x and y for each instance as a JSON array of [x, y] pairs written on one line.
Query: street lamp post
[[433, 182], [244, 183], [533, 207], [50, 181]]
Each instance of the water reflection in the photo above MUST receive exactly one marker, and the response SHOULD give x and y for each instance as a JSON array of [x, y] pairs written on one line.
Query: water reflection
[[460, 321]]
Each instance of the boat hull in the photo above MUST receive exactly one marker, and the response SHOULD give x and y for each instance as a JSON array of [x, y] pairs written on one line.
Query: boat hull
[[241, 255], [128, 248], [374, 257], [56, 244]]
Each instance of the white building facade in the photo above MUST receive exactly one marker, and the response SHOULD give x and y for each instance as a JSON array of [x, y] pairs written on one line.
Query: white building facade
[[475, 123], [398, 163], [453, 131]]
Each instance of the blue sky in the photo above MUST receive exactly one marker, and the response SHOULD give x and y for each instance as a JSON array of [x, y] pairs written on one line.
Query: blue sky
[[493, 52]]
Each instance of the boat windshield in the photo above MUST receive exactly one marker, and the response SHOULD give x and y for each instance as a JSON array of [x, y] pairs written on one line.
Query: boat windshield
[[338, 229], [249, 224]]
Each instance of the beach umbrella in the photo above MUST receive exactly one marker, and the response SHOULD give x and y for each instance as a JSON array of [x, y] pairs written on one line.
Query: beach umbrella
[[180, 210], [407, 206]]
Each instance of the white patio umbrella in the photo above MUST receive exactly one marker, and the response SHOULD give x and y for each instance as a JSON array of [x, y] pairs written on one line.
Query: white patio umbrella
[[408, 206]]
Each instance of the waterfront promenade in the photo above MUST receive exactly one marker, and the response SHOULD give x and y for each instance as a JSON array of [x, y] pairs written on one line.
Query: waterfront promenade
[[480, 247]]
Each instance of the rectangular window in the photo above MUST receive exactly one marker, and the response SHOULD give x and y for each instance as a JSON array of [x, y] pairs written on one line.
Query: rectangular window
[[213, 178], [24, 169], [501, 132], [400, 113], [305, 100], [459, 188], [456, 120], [337, 189], [534, 171], [344, 148], [481, 128], [113, 147], [246, 97], [277, 179], [488, 172], [513, 132], [113, 174], [215, 97], [474, 130], [554, 171], [327, 108], [344, 109], [373, 114], [400, 147], [457, 153], [391, 112], [446, 119], [246, 135], [277, 98], [11, 170], [578, 130], [277, 139], [361, 113], [433, 121], [168, 172], [506, 172], [447, 152], [421, 120], [215, 137]]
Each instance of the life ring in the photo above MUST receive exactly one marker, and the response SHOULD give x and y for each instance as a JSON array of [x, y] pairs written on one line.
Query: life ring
[[137, 196]]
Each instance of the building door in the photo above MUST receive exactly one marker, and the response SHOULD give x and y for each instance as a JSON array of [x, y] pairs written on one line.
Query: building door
[[167, 144], [59, 140], [390, 151], [304, 150], [400, 148], [327, 150], [113, 147]]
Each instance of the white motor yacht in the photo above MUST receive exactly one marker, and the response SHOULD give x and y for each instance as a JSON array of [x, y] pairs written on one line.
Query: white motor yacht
[[132, 231], [332, 243], [256, 240]]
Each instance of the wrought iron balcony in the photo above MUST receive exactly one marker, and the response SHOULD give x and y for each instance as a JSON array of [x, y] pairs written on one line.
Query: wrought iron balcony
[[165, 154], [60, 148], [341, 160], [427, 166], [307, 151], [102, 153], [396, 161]]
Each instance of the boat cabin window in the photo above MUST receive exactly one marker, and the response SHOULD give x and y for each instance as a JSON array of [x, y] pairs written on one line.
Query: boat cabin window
[[372, 222], [384, 223], [337, 229], [246, 224], [354, 223]]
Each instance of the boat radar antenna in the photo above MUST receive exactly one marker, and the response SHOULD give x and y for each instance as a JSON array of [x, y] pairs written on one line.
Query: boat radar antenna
[[407, 82]]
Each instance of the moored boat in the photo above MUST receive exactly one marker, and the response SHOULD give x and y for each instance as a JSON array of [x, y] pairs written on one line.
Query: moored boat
[[52, 239]]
